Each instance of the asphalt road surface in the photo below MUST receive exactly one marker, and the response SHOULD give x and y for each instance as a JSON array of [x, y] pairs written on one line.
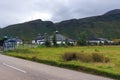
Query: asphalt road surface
[[19, 69]]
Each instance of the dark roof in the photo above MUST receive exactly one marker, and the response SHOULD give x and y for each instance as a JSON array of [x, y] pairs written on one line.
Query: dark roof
[[13, 40], [39, 37], [98, 39]]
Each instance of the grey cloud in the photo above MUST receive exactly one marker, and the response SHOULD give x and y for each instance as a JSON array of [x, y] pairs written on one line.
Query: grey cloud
[[16, 11], [85, 8]]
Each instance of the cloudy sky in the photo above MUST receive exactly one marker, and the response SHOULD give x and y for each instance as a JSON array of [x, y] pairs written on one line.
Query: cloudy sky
[[17, 11]]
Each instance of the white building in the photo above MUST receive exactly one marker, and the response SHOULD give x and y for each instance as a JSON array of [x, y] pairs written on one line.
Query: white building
[[10, 44], [59, 38]]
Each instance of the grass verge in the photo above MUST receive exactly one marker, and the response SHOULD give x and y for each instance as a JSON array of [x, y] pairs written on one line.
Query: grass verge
[[52, 56]]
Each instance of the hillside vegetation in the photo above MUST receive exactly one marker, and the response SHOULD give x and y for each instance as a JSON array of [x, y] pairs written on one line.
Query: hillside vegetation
[[107, 26]]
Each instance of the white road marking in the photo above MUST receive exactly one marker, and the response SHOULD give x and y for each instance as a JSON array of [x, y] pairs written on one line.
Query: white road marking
[[14, 68]]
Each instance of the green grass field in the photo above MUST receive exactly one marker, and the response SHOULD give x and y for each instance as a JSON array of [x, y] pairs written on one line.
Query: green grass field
[[53, 56]]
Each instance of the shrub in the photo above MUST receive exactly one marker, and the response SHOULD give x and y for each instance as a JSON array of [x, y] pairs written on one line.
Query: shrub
[[47, 43], [34, 58], [96, 50], [84, 57], [68, 56], [99, 58], [94, 57]]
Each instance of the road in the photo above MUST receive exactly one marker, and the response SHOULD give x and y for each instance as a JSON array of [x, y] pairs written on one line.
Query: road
[[19, 69]]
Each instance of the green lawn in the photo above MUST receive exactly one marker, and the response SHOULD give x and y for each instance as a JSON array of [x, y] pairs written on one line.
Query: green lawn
[[52, 56]]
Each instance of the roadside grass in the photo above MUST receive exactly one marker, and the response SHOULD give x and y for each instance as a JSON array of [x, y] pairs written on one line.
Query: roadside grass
[[53, 56]]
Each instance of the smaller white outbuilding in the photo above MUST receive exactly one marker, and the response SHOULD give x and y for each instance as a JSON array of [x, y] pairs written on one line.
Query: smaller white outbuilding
[[99, 41]]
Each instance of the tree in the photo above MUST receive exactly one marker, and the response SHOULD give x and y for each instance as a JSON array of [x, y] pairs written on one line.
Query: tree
[[54, 40], [47, 42], [66, 41], [82, 39]]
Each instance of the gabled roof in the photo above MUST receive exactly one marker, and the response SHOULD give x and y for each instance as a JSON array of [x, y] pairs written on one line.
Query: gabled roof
[[60, 37]]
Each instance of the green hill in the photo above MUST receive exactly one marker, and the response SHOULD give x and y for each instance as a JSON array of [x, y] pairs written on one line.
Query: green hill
[[28, 30], [107, 26]]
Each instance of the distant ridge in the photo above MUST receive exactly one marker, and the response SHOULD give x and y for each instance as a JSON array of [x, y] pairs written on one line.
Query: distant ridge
[[113, 12]]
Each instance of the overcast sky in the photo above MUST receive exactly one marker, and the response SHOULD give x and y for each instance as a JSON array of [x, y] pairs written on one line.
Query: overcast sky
[[17, 11]]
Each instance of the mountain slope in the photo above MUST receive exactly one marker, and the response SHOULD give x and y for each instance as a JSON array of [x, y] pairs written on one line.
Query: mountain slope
[[100, 26], [107, 25], [28, 30]]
